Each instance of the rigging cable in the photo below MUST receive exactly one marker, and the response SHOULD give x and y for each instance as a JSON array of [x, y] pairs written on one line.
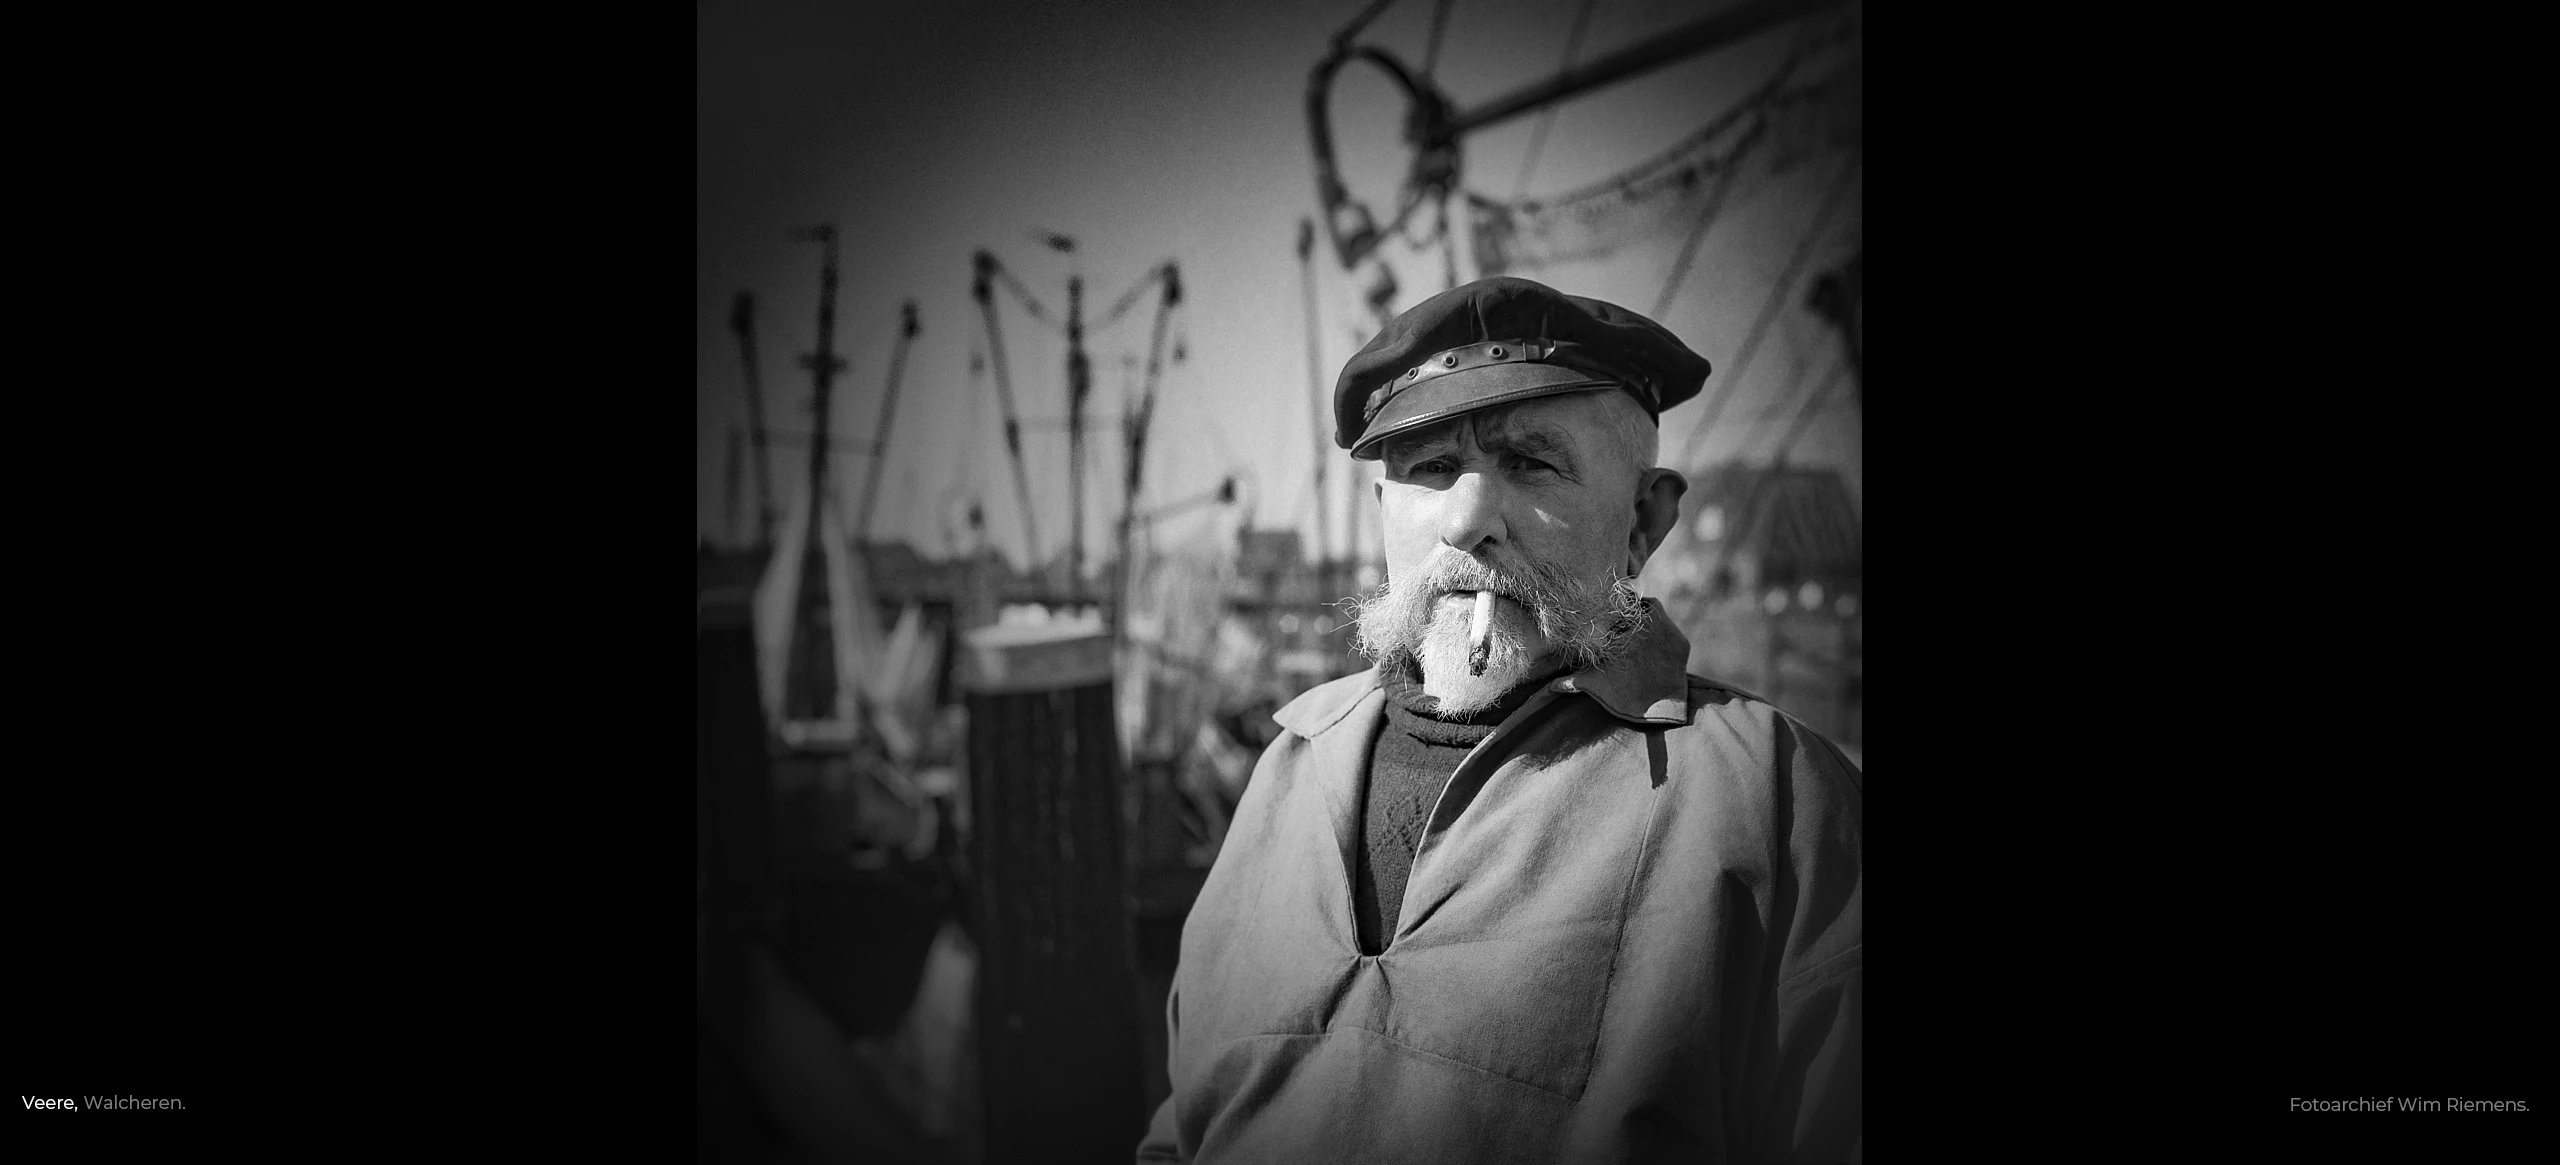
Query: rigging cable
[[1812, 405], [1758, 102], [1725, 178], [1597, 217], [1315, 384], [1770, 93], [1361, 21], [1127, 300], [1778, 298], [1547, 116], [1440, 211], [1024, 296], [1439, 25]]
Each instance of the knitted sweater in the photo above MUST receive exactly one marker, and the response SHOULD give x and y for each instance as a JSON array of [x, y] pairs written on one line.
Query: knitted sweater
[[1416, 750]]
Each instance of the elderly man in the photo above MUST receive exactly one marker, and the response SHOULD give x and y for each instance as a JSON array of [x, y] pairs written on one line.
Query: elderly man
[[1524, 890]]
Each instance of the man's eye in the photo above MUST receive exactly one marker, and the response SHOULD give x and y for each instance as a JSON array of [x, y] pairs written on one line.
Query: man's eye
[[1532, 465], [1434, 466]]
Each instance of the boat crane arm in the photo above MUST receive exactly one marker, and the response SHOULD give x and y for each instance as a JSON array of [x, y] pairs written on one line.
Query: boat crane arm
[[981, 290], [742, 320], [1134, 422], [888, 411]]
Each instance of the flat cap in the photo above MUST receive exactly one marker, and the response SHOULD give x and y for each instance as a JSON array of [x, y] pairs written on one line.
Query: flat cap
[[1500, 340]]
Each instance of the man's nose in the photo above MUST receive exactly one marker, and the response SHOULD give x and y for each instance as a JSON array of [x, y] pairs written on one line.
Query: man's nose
[[1472, 519]]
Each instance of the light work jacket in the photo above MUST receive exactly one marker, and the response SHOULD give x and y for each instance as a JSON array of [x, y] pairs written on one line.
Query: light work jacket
[[1631, 933]]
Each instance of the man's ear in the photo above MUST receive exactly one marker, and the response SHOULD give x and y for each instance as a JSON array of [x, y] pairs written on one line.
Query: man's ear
[[1657, 511]]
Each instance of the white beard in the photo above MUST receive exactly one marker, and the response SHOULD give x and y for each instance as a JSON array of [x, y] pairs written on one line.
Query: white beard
[[1518, 653], [1558, 623]]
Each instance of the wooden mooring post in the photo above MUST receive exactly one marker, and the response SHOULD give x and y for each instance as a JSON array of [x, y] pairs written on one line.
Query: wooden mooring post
[[1058, 1040]]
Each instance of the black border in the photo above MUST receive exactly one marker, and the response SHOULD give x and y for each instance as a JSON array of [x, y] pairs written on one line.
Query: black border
[[366, 883]]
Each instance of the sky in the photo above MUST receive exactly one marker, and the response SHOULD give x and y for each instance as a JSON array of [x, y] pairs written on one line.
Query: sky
[[1154, 131]]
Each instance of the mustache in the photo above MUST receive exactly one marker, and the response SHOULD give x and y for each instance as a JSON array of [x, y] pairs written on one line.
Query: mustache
[[1529, 583], [1591, 622]]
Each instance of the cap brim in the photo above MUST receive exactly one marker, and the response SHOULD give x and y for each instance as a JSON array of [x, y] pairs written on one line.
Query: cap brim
[[1441, 397]]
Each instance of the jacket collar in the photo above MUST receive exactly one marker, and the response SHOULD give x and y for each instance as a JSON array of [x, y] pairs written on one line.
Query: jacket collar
[[1647, 686], [1320, 707]]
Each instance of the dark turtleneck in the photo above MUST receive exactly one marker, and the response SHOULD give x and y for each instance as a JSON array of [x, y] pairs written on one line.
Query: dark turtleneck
[[1418, 747]]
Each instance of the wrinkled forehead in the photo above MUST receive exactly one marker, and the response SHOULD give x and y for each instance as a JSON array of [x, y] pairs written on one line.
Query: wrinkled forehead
[[1554, 424]]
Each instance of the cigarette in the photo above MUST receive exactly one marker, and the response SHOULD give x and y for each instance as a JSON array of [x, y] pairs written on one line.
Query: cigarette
[[1480, 634]]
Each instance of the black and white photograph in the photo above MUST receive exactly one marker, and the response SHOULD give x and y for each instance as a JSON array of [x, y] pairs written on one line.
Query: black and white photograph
[[1281, 582]]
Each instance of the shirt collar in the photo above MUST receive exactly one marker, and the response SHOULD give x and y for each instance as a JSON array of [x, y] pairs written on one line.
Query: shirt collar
[[1649, 685]]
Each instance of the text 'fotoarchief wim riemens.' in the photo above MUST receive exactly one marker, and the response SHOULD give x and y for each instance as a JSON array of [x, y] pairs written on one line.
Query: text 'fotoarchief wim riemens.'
[[2405, 1104]]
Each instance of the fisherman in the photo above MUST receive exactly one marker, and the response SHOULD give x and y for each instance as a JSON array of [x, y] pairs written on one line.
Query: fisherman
[[1524, 890]]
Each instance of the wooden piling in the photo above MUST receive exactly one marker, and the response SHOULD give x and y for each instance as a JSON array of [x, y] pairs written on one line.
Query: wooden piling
[[1058, 1031]]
